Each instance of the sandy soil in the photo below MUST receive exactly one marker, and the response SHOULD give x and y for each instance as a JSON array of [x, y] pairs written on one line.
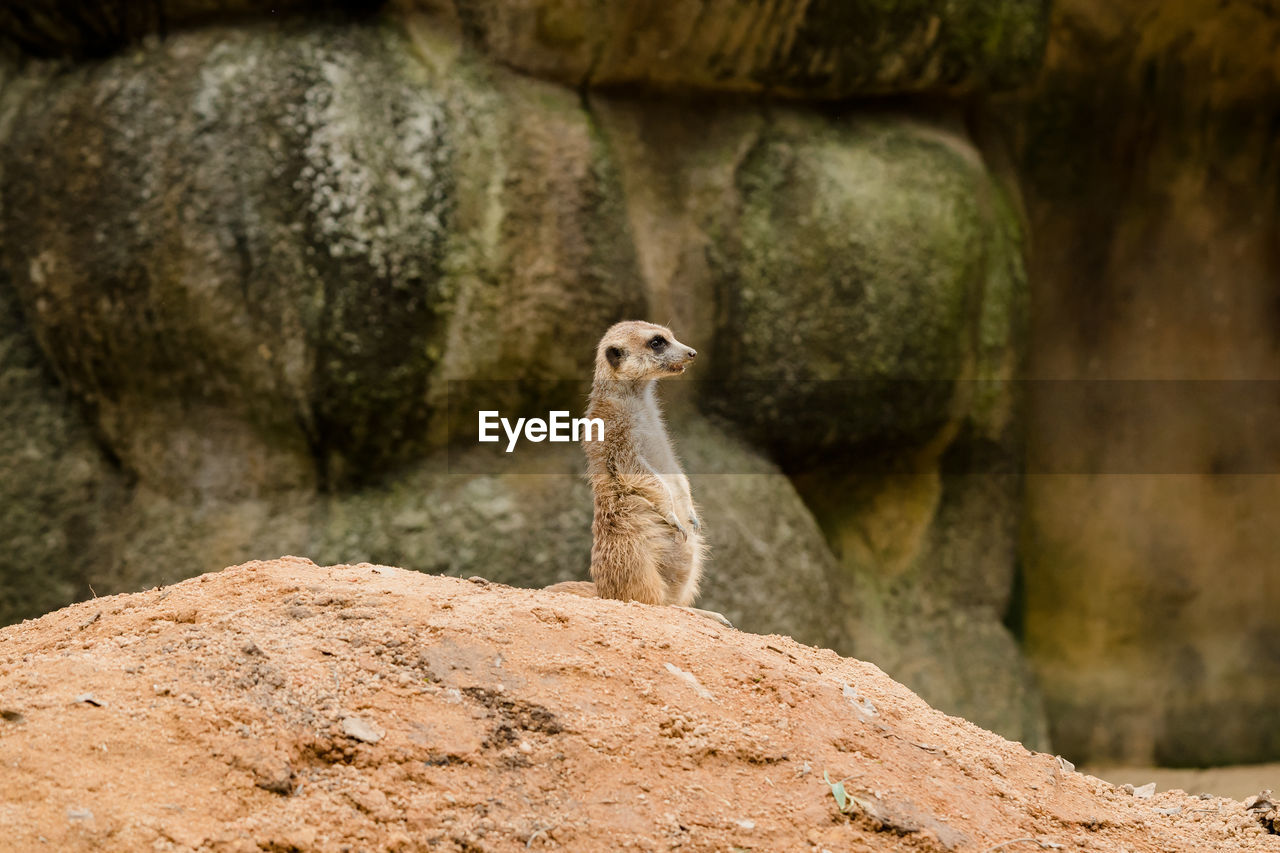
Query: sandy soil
[[282, 706]]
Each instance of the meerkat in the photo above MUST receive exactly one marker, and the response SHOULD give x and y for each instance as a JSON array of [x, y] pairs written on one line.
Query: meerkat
[[647, 542]]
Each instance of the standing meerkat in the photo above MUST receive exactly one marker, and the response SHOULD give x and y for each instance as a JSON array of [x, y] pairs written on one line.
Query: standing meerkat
[[647, 543]]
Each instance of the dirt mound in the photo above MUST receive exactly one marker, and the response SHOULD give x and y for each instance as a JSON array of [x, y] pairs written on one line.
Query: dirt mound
[[283, 706]]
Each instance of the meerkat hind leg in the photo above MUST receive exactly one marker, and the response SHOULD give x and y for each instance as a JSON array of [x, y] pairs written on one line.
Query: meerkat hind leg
[[586, 589]]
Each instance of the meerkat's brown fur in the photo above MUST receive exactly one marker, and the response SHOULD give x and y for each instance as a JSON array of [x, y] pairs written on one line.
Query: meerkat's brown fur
[[647, 538]]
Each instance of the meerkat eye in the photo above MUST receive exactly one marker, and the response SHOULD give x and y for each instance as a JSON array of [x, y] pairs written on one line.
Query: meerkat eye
[[658, 344]]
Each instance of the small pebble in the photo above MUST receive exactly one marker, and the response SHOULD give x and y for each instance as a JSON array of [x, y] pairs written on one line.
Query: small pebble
[[861, 704], [361, 730], [689, 679]]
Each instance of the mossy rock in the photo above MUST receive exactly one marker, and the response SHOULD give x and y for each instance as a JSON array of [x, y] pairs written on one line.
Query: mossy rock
[[260, 254], [851, 284], [825, 49], [235, 237], [57, 490]]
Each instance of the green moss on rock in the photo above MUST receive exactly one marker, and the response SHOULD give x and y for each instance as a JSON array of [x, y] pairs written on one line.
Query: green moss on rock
[[248, 220], [280, 243], [847, 283]]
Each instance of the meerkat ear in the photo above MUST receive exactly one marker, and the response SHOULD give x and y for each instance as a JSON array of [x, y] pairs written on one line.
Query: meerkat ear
[[614, 356]]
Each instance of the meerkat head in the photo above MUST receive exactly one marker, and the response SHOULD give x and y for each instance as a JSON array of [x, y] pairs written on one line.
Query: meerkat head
[[634, 351]]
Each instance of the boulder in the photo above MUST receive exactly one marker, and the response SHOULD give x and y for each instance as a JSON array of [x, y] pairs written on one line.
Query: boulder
[[88, 28], [57, 489], [232, 212], [825, 49], [872, 238], [259, 254], [856, 284]]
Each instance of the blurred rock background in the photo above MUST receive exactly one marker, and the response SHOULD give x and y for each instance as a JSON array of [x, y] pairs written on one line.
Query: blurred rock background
[[256, 260]]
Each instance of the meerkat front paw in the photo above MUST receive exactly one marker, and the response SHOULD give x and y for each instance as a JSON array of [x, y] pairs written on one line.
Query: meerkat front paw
[[694, 522], [675, 522]]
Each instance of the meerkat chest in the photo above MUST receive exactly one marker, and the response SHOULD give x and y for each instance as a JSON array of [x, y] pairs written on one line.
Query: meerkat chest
[[654, 447]]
